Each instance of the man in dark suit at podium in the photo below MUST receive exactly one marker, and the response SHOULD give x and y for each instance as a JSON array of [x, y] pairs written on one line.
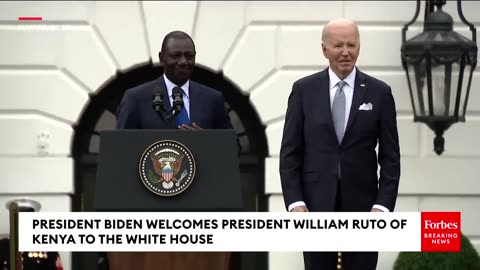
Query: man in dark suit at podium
[[148, 107], [203, 107], [328, 160]]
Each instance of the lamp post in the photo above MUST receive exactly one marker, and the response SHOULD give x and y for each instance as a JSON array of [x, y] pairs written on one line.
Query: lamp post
[[439, 64], [15, 207]]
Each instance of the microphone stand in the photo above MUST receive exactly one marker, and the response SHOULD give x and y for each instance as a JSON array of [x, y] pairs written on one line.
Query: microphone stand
[[158, 107], [177, 106], [163, 115], [167, 115], [172, 113]]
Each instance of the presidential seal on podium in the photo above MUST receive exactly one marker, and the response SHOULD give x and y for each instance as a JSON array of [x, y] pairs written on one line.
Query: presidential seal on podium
[[167, 168]]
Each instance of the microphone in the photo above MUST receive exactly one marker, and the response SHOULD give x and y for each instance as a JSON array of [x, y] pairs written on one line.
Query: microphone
[[157, 100], [177, 94]]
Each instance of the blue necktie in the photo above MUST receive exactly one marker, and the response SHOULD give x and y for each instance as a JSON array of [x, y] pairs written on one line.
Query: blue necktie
[[182, 117]]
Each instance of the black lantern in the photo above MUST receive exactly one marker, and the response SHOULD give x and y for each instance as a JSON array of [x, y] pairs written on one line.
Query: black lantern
[[439, 64]]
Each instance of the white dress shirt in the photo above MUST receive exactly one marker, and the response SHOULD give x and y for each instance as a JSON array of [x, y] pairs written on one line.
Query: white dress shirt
[[348, 89], [186, 94]]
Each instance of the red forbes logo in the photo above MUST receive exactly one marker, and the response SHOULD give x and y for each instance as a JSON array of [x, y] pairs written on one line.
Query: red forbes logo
[[441, 231]]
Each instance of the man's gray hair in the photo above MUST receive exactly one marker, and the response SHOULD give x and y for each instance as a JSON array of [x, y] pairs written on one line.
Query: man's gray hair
[[336, 22]]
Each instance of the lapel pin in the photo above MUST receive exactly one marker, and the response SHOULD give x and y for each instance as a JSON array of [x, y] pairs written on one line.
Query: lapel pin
[[362, 85]]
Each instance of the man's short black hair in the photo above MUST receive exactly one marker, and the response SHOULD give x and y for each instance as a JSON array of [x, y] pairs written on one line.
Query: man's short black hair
[[175, 34]]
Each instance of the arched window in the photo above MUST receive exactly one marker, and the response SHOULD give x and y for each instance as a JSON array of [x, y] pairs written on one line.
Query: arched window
[[99, 114]]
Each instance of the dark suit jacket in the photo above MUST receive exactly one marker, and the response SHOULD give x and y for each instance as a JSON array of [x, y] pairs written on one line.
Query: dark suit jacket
[[310, 152], [207, 107]]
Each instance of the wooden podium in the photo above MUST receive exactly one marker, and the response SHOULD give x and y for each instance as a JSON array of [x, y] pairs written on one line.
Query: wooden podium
[[215, 187]]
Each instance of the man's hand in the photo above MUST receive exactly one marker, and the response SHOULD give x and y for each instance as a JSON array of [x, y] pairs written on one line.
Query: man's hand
[[376, 210], [300, 209], [192, 127]]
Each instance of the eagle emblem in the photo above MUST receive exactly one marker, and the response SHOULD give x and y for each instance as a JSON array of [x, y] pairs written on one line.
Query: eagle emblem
[[167, 168]]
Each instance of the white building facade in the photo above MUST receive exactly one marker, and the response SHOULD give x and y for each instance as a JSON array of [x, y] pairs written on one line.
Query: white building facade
[[49, 69]]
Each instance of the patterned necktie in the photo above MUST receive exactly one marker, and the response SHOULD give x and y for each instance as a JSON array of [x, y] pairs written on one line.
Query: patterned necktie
[[338, 111], [182, 117]]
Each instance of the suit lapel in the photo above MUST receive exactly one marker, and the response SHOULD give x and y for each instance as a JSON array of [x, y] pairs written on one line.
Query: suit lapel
[[166, 102], [165, 97], [359, 91], [323, 83], [195, 108]]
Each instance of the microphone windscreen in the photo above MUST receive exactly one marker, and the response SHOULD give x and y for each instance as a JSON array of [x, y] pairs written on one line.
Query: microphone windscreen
[[177, 91]]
